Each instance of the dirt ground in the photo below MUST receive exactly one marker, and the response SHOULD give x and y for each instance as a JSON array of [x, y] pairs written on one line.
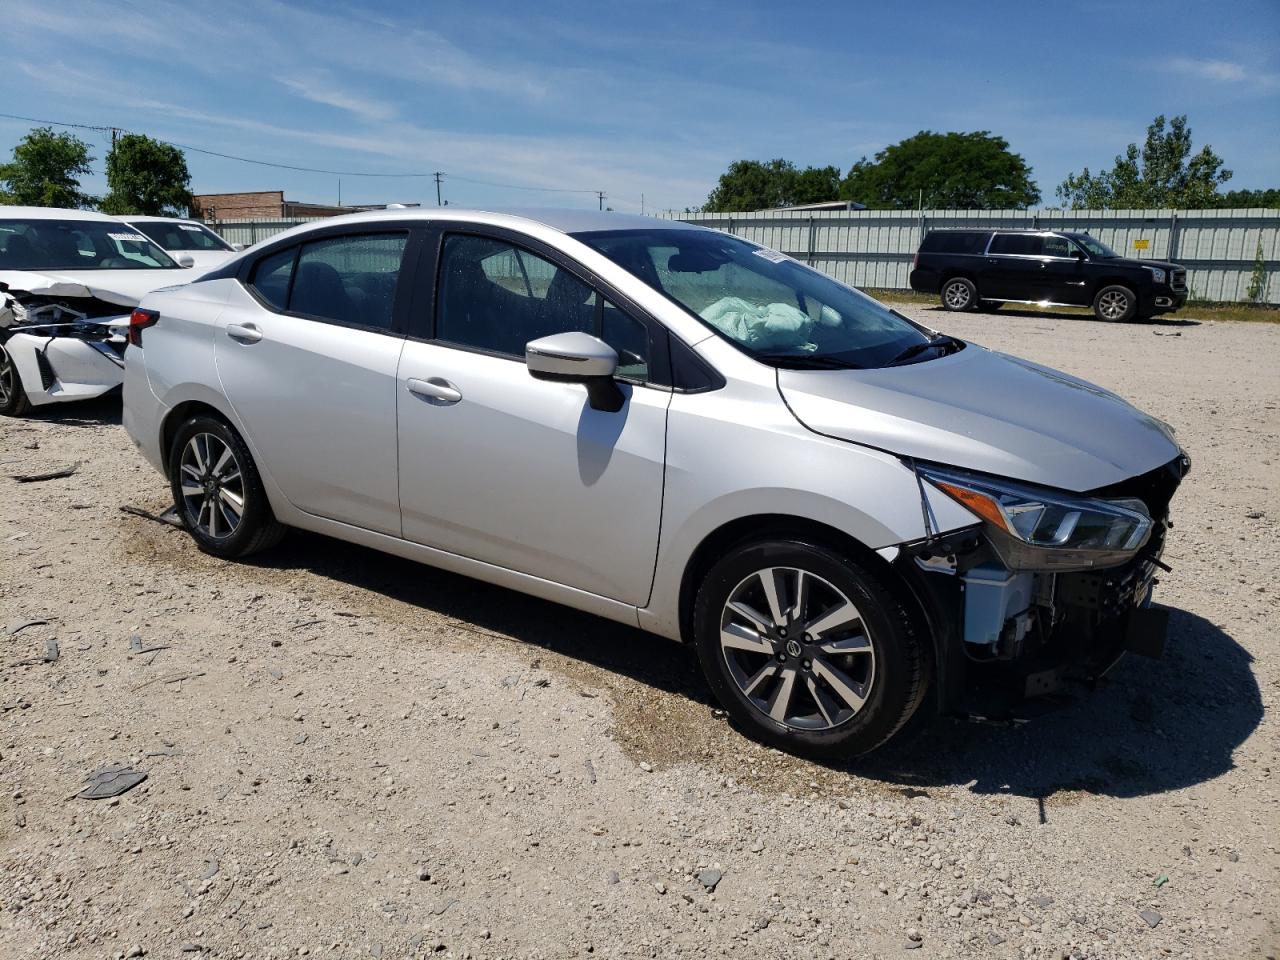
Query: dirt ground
[[349, 755]]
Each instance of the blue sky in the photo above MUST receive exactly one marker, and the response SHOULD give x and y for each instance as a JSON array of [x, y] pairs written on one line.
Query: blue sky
[[651, 99]]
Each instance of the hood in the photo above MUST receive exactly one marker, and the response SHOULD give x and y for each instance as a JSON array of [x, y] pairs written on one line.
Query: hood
[[1130, 262], [123, 287], [985, 411]]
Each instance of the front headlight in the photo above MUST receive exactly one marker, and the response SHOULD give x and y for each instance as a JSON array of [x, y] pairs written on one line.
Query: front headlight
[[1157, 274], [1037, 529]]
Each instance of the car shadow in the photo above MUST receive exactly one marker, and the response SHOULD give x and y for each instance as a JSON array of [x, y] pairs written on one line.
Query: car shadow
[[1050, 313], [99, 412], [1150, 727]]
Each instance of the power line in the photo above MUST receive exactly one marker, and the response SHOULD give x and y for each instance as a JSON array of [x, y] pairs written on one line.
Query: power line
[[287, 166]]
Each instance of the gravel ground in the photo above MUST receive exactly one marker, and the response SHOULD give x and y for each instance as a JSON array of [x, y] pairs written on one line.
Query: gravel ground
[[349, 755]]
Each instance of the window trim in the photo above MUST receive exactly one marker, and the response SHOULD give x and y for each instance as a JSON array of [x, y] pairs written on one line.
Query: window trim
[[429, 288], [404, 281], [1035, 256]]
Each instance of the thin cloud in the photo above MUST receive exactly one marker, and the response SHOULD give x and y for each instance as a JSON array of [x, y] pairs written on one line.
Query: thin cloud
[[1222, 71], [320, 90]]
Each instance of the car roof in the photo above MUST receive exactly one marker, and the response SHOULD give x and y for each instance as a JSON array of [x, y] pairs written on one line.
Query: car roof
[[52, 213], [564, 221], [141, 218]]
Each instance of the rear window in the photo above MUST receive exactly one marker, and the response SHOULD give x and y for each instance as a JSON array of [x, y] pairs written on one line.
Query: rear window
[[955, 242]]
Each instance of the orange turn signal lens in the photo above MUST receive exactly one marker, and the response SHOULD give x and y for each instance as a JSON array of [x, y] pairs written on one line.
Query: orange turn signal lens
[[979, 503]]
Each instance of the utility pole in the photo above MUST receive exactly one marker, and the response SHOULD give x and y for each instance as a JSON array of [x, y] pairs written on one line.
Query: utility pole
[[439, 203], [600, 194], [339, 191], [642, 204]]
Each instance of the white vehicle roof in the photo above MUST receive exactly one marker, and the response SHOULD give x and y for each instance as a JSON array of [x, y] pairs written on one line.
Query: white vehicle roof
[[141, 218], [52, 213], [562, 221]]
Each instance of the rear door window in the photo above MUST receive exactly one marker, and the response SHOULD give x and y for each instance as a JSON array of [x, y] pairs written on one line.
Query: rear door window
[[1017, 244], [348, 280]]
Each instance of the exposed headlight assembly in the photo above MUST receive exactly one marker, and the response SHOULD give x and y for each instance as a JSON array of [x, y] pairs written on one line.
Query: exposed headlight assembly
[[1036, 529], [1157, 274]]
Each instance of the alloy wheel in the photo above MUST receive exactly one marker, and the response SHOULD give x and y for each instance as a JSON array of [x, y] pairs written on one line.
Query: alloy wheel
[[213, 487], [1113, 304], [797, 648], [957, 296]]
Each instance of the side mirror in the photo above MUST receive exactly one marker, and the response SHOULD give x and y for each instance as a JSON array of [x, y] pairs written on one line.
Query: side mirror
[[1079, 255], [186, 260], [577, 358], [237, 247]]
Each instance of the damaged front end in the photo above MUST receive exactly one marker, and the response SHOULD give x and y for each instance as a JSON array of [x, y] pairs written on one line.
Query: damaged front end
[[62, 346], [1049, 587]]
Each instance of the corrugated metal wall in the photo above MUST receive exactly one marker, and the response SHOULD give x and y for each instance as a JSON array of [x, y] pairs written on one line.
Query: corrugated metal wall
[[873, 248]]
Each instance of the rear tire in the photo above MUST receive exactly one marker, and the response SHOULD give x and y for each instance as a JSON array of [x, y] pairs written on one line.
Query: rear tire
[[217, 490], [13, 396], [1115, 304], [959, 294], [833, 668]]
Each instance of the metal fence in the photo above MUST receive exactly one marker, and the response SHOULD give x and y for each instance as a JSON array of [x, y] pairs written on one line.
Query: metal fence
[[874, 248]]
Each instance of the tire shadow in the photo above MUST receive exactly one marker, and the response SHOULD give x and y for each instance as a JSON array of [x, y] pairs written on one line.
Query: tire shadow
[[1050, 313], [1152, 726]]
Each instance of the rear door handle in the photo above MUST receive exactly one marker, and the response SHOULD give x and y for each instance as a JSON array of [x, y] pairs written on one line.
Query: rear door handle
[[244, 332], [435, 390]]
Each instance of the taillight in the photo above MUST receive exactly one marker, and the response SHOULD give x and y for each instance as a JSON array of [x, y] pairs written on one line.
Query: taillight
[[915, 262], [139, 320]]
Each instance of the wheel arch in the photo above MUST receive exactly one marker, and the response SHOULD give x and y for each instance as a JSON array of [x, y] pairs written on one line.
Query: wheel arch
[[766, 526], [180, 414]]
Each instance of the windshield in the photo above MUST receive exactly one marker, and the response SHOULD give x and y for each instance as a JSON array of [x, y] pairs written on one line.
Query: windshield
[[174, 235], [1095, 248], [774, 308], [77, 245]]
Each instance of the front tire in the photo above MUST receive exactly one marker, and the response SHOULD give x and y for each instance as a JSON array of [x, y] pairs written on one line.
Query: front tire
[[808, 650], [1115, 304], [218, 492], [13, 396], [959, 294]]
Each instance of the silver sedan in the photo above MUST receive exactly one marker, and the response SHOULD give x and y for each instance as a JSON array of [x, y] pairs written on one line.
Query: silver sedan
[[848, 514]]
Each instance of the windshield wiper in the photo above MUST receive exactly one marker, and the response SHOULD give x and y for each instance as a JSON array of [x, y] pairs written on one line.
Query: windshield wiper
[[801, 361], [942, 342]]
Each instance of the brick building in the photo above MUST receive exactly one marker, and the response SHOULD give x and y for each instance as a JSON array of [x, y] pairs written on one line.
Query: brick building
[[265, 205]]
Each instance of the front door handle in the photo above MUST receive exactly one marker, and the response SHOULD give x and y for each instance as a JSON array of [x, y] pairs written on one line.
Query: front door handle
[[435, 390], [244, 332]]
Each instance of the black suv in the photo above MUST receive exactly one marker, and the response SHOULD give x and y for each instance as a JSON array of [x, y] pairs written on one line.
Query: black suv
[[985, 268]]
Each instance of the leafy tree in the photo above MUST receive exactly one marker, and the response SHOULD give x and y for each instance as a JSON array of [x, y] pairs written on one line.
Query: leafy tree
[[1257, 291], [753, 185], [146, 177], [46, 171], [1269, 199], [1163, 173], [954, 170]]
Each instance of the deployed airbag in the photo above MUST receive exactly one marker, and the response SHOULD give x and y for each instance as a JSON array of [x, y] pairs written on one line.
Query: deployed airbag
[[766, 327]]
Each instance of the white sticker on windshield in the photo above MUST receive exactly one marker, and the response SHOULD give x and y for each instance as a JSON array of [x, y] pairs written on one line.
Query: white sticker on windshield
[[132, 237], [773, 256], [187, 226]]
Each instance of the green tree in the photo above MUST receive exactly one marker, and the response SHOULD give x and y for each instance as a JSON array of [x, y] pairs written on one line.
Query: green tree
[[46, 171], [1241, 199], [1163, 173], [1257, 292], [753, 185], [146, 177], [952, 170]]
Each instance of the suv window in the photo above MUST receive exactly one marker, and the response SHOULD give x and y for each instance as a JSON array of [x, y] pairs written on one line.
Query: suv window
[[348, 280], [955, 241], [497, 297], [1058, 247], [1024, 244]]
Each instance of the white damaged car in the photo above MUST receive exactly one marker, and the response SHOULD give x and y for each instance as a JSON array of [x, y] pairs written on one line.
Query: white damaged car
[[69, 280]]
